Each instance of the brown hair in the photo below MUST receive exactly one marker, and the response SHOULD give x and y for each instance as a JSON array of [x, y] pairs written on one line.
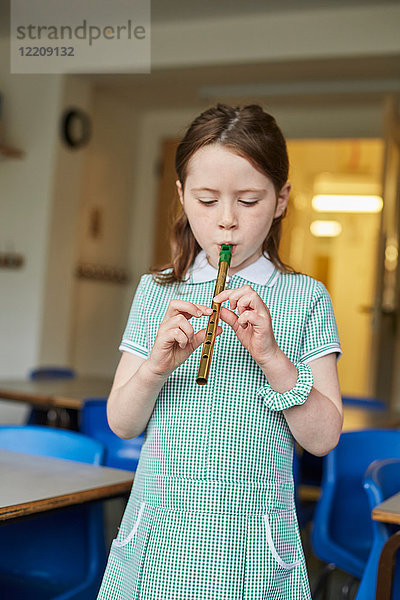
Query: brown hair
[[249, 132]]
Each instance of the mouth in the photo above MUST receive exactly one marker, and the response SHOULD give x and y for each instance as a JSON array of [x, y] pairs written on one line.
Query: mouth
[[234, 246]]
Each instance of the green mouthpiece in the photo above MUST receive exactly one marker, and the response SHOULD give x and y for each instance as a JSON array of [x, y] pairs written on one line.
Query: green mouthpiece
[[225, 253]]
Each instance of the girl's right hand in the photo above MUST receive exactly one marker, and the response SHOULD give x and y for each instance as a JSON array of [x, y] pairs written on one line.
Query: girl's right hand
[[175, 340]]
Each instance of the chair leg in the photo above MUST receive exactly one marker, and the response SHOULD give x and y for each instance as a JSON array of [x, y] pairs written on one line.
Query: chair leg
[[386, 567], [347, 587], [306, 540], [322, 583]]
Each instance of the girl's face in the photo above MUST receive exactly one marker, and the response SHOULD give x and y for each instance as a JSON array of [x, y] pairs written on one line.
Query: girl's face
[[228, 201]]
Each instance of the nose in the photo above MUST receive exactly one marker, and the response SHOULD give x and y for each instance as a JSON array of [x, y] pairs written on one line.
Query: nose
[[227, 217]]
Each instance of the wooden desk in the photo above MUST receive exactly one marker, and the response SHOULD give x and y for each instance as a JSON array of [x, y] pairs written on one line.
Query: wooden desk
[[32, 484], [387, 512], [55, 393], [70, 393], [355, 418]]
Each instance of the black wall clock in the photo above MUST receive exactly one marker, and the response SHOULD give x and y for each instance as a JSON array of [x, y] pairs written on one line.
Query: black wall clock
[[75, 128]]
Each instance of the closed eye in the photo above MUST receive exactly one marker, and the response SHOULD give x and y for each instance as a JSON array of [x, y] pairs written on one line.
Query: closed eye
[[248, 202], [207, 201]]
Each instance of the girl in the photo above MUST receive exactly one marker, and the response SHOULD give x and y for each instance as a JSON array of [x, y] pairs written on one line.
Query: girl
[[212, 514]]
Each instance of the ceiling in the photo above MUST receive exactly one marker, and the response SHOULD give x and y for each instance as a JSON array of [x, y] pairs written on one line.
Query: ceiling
[[163, 11], [191, 86], [173, 10], [188, 86]]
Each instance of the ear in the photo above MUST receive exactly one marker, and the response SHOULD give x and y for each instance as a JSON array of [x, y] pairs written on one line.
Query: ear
[[282, 200], [180, 190]]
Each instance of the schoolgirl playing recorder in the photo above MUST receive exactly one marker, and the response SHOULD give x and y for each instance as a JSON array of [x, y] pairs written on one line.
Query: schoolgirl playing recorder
[[211, 514]]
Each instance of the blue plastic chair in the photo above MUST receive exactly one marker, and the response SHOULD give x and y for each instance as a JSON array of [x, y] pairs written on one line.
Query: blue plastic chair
[[363, 402], [120, 454], [382, 480], [310, 466], [63, 417], [342, 528], [59, 555], [52, 373]]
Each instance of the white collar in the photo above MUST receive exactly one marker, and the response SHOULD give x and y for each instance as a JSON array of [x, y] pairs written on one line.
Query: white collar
[[262, 271]]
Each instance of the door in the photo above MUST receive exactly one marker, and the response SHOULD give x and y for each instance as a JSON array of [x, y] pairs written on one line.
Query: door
[[386, 322], [167, 202]]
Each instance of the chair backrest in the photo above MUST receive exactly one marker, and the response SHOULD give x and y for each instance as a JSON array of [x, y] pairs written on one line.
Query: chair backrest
[[94, 418], [342, 521], [363, 402], [381, 480], [120, 453], [52, 373], [46, 441], [62, 550]]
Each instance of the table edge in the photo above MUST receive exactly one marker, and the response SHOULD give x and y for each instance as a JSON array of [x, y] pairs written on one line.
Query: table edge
[[46, 504]]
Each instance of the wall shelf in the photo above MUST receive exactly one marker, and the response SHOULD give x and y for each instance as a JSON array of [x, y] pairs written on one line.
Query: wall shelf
[[11, 260], [8, 152], [102, 273]]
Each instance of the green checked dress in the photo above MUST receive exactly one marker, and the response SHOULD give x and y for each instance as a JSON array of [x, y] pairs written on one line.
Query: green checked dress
[[211, 515]]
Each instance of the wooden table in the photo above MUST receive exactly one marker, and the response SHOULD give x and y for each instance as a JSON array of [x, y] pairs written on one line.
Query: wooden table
[[355, 418], [55, 393], [387, 512], [32, 484], [71, 393]]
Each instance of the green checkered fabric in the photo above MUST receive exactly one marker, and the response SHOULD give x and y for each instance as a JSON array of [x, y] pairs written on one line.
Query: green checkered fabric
[[297, 395], [211, 515]]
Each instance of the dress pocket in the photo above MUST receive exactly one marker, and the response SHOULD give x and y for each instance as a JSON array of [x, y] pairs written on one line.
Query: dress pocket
[[122, 577], [285, 533], [120, 543]]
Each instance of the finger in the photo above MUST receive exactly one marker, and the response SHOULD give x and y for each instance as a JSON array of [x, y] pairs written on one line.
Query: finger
[[200, 336], [169, 330], [188, 309], [233, 292], [204, 311], [180, 337], [229, 317], [234, 295], [222, 296], [251, 317], [183, 324], [228, 295], [247, 301]]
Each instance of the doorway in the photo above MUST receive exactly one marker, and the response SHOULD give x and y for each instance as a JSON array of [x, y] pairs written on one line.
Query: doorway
[[342, 253]]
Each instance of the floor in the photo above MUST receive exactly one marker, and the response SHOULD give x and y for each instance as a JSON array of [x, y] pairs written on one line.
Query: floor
[[114, 511]]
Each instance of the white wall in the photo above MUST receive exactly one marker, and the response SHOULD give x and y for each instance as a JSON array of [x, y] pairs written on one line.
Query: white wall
[[30, 123], [62, 253], [302, 34], [110, 170]]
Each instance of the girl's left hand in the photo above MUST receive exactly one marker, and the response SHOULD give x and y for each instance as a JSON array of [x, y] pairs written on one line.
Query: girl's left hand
[[253, 326]]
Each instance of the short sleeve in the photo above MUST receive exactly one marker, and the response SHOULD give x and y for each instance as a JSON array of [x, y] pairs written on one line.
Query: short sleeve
[[135, 338], [321, 335]]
